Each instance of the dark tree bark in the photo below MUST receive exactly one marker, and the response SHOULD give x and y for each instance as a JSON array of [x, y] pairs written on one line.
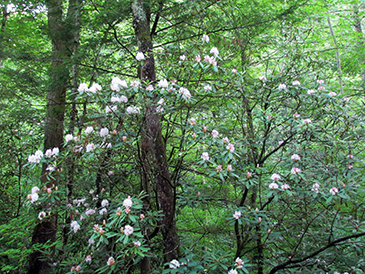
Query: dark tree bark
[[153, 146], [4, 15], [64, 35]]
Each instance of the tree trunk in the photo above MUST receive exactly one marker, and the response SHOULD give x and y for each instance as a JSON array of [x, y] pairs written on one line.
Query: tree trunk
[[152, 142], [360, 43], [4, 18], [63, 35]]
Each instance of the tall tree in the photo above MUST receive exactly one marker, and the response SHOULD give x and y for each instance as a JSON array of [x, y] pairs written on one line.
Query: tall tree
[[64, 34], [153, 146]]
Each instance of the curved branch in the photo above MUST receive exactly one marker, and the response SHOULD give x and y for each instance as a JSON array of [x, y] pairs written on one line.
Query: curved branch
[[331, 244]]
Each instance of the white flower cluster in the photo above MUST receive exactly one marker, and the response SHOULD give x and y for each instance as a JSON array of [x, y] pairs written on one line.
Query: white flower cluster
[[41, 215], [83, 87], [205, 156], [133, 110], [160, 104], [237, 215], [121, 99], [104, 203], [127, 203], [116, 84], [174, 264], [89, 212], [185, 93], [75, 226], [104, 132], [110, 109], [36, 157], [33, 197], [163, 84], [128, 230], [52, 152], [90, 147]]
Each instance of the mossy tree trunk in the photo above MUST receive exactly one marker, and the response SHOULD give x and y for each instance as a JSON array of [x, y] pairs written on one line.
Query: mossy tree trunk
[[64, 34], [153, 146]]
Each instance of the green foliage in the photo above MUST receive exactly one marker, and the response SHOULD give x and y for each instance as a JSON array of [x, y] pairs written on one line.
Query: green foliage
[[226, 202]]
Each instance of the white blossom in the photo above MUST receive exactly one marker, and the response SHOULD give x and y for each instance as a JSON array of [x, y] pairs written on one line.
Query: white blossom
[[275, 177], [132, 110], [95, 87], [90, 147], [282, 86], [128, 230], [104, 132], [334, 191], [88, 130], [103, 211], [185, 93], [123, 99], [55, 151], [114, 99], [295, 170], [89, 212], [117, 83], [237, 215], [207, 88], [104, 203], [135, 83], [83, 87], [174, 264], [214, 51], [239, 263], [215, 133], [127, 203], [140, 56], [205, 38], [75, 226], [35, 189], [41, 215], [48, 153], [205, 156], [110, 109], [285, 187], [316, 187], [163, 84], [111, 261], [34, 197], [68, 138], [230, 147], [273, 185]]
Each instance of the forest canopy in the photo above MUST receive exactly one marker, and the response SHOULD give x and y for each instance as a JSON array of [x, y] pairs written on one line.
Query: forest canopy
[[182, 136]]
